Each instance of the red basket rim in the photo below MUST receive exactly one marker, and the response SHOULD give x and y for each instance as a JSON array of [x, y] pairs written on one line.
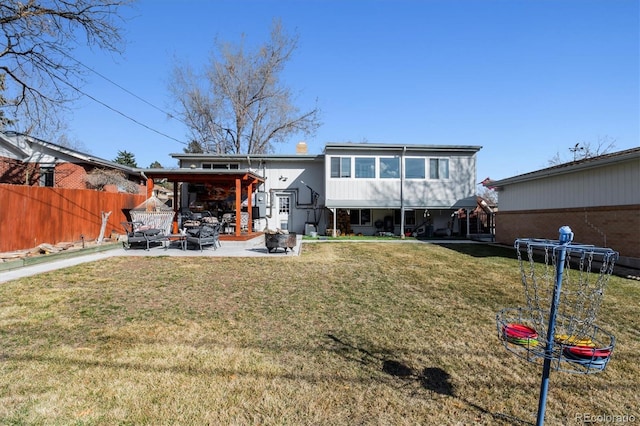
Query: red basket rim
[[588, 352], [519, 331]]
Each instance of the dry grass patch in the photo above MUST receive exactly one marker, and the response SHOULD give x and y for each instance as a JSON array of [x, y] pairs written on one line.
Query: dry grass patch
[[366, 333]]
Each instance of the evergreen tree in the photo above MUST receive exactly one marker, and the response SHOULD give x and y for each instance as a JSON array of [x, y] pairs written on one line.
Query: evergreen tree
[[194, 147], [126, 158]]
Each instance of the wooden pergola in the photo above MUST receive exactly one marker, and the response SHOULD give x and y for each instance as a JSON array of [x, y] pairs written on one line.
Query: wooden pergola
[[241, 180]]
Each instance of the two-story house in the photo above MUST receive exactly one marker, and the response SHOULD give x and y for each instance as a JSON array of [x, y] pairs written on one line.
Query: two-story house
[[350, 188]]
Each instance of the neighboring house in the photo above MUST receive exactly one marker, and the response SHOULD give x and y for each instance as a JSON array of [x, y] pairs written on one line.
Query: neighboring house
[[351, 188], [25, 160], [43, 188], [597, 197]]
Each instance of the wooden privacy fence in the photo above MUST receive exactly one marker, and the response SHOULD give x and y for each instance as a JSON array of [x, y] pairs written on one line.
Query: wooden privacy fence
[[30, 216]]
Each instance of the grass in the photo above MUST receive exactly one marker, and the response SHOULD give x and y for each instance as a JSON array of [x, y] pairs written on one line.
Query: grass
[[368, 333], [371, 238]]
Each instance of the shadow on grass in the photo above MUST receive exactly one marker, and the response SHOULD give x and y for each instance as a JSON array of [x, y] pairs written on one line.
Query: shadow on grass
[[482, 250], [432, 379]]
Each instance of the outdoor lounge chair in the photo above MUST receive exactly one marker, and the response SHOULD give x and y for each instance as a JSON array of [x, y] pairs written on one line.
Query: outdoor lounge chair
[[139, 234], [204, 235]]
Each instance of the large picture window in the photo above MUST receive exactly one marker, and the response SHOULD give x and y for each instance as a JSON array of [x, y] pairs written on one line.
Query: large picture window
[[365, 167], [360, 217], [439, 168], [389, 168], [414, 168], [340, 167]]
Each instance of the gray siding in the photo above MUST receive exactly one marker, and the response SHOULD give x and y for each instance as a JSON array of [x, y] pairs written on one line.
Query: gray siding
[[417, 193]]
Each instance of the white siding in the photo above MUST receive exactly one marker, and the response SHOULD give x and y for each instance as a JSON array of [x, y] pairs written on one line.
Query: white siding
[[286, 177], [611, 185]]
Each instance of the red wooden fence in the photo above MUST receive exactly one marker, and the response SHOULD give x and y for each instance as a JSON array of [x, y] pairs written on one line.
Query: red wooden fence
[[30, 216]]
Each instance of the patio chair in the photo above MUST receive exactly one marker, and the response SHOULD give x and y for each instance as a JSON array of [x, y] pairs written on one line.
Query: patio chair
[[244, 222], [227, 222], [204, 235], [139, 234]]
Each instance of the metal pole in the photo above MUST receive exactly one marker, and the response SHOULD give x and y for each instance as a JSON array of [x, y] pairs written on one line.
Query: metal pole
[[565, 238]]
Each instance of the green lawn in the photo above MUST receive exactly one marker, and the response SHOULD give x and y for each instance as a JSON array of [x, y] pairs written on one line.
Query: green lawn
[[368, 333]]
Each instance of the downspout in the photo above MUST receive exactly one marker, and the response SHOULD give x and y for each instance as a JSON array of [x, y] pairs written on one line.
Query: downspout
[[404, 150]]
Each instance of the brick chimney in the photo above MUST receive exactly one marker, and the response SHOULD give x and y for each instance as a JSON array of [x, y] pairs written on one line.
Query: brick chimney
[[301, 148]]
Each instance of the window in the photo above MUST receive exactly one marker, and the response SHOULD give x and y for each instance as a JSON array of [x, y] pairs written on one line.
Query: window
[[389, 168], [360, 217], [414, 168], [284, 205], [47, 176], [340, 167], [220, 166], [439, 168], [365, 168], [409, 217]]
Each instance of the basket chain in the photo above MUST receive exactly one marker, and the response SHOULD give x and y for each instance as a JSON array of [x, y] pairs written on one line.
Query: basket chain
[[581, 294]]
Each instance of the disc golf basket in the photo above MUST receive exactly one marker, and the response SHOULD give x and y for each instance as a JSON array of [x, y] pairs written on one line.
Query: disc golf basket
[[564, 285]]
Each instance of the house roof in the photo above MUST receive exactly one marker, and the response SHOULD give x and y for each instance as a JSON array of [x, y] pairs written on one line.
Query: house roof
[[12, 138], [400, 147], [328, 147], [243, 157], [199, 175], [571, 167]]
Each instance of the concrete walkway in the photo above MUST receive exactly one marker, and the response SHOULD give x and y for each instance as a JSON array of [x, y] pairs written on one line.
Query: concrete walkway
[[251, 248]]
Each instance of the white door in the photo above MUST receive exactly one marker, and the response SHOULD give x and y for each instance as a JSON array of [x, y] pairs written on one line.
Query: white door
[[284, 210]]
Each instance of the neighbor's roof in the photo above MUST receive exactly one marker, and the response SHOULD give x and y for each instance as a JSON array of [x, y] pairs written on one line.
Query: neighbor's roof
[[573, 166], [82, 157]]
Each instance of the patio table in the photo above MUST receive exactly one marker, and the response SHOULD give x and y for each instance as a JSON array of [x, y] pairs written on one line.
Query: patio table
[[180, 238]]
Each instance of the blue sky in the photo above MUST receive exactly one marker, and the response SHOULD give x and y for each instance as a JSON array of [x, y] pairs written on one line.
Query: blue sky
[[523, 79]]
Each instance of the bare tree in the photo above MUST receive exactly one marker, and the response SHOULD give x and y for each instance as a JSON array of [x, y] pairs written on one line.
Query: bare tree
[[585, 149], [239, 104], [39, 75], [4, 120]]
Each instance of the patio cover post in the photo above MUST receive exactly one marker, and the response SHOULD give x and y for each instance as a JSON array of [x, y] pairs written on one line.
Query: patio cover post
[[335, 222], [238, 206], [149, 188], [250, 207], [468, 222], [176, 203]]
